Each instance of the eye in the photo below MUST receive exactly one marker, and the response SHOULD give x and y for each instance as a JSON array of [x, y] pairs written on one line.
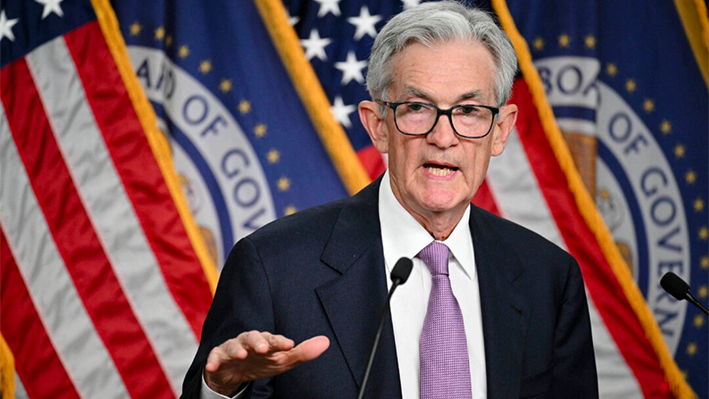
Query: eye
[[415, 106], [467, 109]]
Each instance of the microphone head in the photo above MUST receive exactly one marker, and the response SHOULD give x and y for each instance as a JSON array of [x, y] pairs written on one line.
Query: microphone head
[[673, 284], [401, 271]]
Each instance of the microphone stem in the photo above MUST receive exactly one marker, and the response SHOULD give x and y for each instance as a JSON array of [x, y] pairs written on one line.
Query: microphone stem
[[696, 303], [373, 351]]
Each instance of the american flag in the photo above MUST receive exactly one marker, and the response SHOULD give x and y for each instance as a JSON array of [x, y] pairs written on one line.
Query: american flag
[[102, 289]]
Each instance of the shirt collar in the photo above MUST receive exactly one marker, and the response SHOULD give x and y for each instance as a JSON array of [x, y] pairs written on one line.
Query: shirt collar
[[403, 236]]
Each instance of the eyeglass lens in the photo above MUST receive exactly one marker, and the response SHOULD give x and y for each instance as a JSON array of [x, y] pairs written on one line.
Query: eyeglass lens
[[467, 120]]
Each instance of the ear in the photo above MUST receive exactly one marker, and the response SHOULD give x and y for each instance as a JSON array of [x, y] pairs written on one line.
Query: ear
[[505, 122], [375, 125]]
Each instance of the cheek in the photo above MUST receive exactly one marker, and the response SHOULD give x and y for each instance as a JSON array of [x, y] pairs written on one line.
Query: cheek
[[397, 160], [396, 149], [478, 164]]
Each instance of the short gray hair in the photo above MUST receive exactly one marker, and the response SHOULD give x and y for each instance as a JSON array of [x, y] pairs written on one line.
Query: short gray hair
[[438, 22]]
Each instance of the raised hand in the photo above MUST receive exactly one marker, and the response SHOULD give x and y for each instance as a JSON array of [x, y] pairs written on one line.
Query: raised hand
[[255, 355]]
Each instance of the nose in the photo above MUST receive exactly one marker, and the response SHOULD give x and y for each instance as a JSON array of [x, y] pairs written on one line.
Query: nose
[[443, 135]]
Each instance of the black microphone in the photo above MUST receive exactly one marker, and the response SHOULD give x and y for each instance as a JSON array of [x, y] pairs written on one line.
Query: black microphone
[[679, 289], [399, 275]]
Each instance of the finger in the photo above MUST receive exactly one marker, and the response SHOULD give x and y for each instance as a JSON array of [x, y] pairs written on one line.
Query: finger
[[216, 358], [265, 342], [310, 349], [255, 341], [280, 343], [233, 349]]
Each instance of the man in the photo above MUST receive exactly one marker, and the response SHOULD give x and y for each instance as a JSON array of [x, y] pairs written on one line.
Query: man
[[507, 315]]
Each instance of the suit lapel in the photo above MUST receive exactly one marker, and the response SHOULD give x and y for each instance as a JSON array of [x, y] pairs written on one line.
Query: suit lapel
[[505, 313], [352, 301]]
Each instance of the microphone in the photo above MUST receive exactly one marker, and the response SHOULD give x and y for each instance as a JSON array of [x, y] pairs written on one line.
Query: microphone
[[399, 274], [679, 289]]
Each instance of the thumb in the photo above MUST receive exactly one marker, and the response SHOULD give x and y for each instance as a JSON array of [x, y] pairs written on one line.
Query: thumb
[[311, 348]]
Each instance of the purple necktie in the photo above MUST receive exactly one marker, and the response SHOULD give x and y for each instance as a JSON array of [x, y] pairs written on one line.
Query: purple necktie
[[445, 369]]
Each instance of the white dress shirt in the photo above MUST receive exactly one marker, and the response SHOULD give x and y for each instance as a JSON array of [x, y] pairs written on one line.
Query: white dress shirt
[[403, 236]]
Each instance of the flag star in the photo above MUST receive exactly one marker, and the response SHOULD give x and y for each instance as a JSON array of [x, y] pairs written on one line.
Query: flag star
[[292, 20], [538, 44], [283, 184], [135, 28], [679, 151], [315, 46], [260, 130], [225, 85], [205, 66], [691, 349], [410, 3], [184, 51], [244, 106], [611, 69], [666, 127], [364, 23], [690, 177], [703, 291], [342, 112], [273, 156], [631, 86], [698, 205], [290, 209], [590, 41], [649, 105], [6, 26], [327, 6], [351, 69], [699, 320], [160, 33], [51, 6], [564, 40]]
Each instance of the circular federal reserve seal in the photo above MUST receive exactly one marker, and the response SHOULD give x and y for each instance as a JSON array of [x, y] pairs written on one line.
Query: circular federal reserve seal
[[220, 173], [641, 184]]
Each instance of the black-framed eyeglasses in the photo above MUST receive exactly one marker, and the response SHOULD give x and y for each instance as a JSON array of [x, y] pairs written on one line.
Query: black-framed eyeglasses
[[414, 118]]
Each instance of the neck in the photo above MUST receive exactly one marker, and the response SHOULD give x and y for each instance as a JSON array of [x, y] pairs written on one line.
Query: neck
[[439, 226]]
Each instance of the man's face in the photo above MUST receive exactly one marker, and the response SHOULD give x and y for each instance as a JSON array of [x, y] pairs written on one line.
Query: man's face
[[437, 175]]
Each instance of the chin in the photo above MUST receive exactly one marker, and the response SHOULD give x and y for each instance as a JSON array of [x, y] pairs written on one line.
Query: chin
[[440, 201]]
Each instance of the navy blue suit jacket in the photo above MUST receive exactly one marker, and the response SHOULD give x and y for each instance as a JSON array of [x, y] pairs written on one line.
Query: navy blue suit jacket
[[321, 272]]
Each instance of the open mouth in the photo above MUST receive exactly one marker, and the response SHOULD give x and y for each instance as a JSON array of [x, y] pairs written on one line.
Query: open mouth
[[439, 170]]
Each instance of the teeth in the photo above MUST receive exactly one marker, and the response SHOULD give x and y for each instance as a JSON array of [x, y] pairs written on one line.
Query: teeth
[[442, 171]]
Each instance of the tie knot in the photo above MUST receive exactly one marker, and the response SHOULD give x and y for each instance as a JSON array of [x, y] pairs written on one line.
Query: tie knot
[[435, 256]]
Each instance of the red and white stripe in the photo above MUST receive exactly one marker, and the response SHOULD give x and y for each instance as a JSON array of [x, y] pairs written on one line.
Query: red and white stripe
[[95, 258]]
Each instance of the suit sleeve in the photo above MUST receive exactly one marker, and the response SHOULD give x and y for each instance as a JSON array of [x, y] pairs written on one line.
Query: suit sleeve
[[242, 303], [574, 374]]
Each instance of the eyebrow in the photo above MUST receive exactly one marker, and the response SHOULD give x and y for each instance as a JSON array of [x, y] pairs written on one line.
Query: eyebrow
[[473, 95]]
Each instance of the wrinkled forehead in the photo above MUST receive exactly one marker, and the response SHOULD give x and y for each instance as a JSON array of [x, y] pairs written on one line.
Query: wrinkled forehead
[[460, 69]]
